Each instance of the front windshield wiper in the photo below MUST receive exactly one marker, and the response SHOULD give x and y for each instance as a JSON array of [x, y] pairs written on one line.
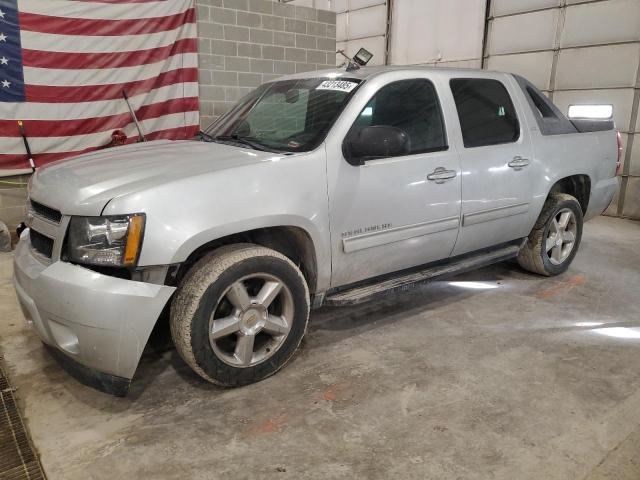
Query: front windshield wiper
[[204, 136], [241, 140]]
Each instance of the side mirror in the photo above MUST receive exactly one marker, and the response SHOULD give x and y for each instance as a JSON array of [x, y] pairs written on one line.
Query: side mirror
[[379, 141]]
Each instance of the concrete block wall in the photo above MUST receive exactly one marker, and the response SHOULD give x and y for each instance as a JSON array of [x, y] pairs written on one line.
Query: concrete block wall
[[244, 43], [359, 23]]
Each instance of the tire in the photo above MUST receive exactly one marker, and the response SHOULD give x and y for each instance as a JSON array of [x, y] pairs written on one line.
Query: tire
[[534, 255], [210, 299]]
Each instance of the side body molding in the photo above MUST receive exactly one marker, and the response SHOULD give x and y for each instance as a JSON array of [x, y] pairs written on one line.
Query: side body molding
[[397, 234], [494, 214]]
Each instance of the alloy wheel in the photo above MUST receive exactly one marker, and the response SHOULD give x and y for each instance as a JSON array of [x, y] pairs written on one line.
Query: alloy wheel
[[252, 320], [561, 237]]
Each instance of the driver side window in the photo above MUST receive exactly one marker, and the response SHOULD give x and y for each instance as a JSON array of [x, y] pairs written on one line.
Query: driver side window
[[413, 107]]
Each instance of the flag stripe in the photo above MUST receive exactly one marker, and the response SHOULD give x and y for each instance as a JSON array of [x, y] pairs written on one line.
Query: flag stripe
[[85, 126], [48, 42], [104, 76], [77, 61], [108, 9], [70, 111], [92, 27], [92, 93]]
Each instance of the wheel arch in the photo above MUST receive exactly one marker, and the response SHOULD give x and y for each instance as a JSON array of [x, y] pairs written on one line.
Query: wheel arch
[[292, 241], [578, 186]]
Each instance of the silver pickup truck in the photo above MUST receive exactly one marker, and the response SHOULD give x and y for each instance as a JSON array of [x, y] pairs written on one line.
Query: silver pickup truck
[[322, 188]]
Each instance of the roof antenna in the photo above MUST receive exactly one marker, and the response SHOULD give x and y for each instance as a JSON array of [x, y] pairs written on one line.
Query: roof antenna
[[32, 164], [141, 137]]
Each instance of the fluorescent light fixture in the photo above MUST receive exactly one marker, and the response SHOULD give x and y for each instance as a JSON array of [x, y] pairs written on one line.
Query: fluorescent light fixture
[[593, 112]]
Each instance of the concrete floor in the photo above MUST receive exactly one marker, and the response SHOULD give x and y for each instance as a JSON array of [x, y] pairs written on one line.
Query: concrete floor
[[522, 378]]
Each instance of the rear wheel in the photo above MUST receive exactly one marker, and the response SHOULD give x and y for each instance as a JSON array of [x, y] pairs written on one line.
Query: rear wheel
[[240, 314], [555, 238]]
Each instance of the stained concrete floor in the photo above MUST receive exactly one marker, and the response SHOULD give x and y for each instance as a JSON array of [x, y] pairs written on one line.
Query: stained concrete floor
[[497, 375]]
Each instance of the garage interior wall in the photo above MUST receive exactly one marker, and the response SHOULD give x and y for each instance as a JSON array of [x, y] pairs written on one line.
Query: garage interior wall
[[359, 23], [403, 32], [437, 32], [577, 51]]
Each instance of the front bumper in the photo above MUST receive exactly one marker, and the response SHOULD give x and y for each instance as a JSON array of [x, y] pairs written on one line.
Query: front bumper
[[96, 321]]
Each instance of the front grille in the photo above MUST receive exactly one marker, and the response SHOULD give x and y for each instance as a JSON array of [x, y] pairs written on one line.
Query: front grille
[[46, 212], [41, 244]]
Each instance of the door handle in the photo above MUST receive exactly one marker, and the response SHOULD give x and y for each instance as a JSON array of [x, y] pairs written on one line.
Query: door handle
[[440, 175], [518, 162]]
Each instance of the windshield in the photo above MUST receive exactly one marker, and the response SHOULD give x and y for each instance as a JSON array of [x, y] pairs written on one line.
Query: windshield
[[289, 115]]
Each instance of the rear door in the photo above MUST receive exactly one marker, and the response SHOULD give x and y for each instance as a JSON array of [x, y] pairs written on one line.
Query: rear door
[[495, 159]]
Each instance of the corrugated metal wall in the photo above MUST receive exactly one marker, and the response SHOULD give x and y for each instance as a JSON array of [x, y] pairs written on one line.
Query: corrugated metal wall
[[419, 31], [437, 32], [577, 51], [361, 23]]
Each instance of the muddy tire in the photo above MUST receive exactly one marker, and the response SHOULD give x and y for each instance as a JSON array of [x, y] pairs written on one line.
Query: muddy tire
[[240, 314], [555, 238]]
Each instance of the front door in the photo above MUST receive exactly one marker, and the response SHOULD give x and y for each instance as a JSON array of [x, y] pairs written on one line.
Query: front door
[[392, 213], [495, 162]]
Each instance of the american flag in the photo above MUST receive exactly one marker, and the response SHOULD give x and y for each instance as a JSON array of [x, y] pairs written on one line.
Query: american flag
[[65, 63]]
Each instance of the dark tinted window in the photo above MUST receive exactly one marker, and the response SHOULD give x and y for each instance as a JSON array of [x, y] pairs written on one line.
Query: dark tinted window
[[550, 120], [411, 105], [486, 113], [542, 107]]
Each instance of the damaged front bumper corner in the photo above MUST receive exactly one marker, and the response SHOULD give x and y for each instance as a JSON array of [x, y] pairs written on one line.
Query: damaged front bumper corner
[[96, 325]]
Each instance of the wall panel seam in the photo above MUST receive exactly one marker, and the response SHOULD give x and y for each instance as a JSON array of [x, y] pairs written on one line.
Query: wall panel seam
[[575, 47], [626, 168], [544, 9]]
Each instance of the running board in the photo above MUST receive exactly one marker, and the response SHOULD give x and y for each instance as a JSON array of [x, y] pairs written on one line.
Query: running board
[[402, 282]]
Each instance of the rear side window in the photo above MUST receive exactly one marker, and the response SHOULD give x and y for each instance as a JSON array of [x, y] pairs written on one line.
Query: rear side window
[[486, 112], [550, 120], [411, 105], [542, 107]]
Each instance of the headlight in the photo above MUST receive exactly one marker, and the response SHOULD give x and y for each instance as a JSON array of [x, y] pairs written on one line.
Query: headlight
[[108, 241]]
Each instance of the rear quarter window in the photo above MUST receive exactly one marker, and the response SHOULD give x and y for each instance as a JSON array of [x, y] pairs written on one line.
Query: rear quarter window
[[486, 112]]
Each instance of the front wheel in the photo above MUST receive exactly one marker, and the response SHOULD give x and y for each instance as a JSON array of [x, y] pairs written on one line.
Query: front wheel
[[555, 238], [240, 314]]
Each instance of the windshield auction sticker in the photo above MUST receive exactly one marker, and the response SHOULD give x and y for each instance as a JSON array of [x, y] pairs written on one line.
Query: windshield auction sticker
[[339, 85]]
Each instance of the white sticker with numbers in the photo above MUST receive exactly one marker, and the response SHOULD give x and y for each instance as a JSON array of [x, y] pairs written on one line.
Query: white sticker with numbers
[[339, 85]]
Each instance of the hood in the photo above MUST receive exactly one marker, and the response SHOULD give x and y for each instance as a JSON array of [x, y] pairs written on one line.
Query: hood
[[83, 185]]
